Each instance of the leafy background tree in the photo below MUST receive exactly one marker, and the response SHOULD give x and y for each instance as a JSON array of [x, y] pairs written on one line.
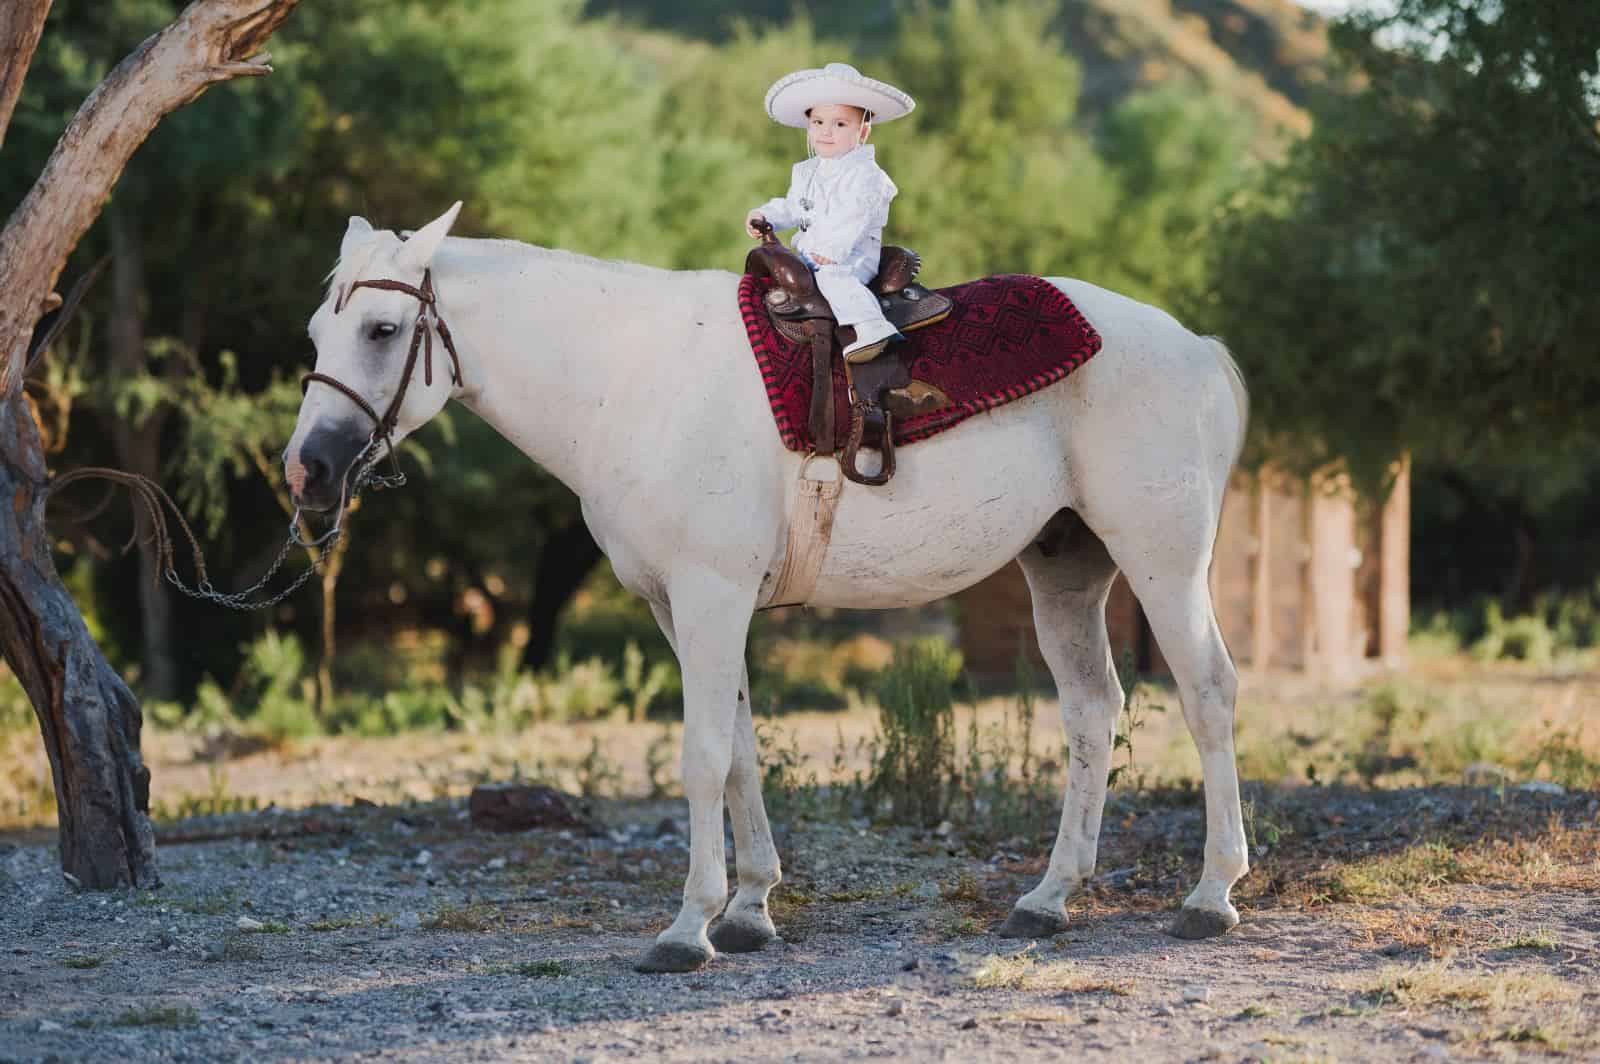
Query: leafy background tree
[[1413, 278]]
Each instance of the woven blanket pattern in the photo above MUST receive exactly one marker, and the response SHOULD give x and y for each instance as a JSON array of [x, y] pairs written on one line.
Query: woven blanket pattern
[[1006, 337]]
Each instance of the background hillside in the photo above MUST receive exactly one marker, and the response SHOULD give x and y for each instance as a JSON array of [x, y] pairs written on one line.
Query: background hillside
[[1267, 56]]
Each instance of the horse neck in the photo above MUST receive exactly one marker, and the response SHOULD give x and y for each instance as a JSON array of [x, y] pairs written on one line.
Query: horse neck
[[556, 345]]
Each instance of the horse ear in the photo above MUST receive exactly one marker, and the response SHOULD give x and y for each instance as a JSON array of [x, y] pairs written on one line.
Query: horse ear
[[417, 252], [355, 235]]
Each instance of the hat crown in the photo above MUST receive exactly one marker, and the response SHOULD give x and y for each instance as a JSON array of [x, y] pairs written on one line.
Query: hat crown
[[793, 95]]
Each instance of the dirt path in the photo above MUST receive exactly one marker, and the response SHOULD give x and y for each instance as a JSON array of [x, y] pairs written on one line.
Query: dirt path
[[401, 933]]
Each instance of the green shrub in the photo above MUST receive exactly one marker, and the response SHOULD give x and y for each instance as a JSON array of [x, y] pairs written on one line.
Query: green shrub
[[914, 762], [1525, 638], [603, 620]]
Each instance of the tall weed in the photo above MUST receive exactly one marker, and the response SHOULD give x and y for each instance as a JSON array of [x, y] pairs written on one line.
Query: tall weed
[[914, 762]]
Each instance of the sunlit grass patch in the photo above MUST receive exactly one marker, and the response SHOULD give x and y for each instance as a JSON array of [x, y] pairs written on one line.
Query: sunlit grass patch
[[1413, 869], [1255, 1012], [1438, 985], [341, 923], [268, 927], [1538, 940], [1023, 971], [1528, 1008], [1038, 1017], [214, 904], [474, 917], [82, 962], [157, 1016], [1440, 936]]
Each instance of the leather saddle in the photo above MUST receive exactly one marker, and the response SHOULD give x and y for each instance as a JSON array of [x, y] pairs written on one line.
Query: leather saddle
[[881, 389]]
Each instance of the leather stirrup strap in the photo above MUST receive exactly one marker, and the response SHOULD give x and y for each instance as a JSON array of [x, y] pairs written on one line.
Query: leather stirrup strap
[[823, 436]]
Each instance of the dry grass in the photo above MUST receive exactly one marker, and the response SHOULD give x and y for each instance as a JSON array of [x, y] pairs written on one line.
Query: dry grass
[[341, 923], [1022, 971], [1525, 1008], [1439, 936], [1559, 856], [477, 917], [1410, 871]]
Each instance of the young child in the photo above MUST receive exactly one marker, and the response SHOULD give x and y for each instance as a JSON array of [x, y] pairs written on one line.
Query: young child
[[838, 197]]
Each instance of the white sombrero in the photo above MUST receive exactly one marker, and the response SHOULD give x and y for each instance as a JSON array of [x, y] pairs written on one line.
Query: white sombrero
[[792, 95]]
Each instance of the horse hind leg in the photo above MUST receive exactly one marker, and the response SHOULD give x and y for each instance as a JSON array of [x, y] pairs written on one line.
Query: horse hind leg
[[1177, 603], [1069, 574]]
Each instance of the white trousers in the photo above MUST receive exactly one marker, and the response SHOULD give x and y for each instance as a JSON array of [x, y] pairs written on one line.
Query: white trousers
[[845, 289]]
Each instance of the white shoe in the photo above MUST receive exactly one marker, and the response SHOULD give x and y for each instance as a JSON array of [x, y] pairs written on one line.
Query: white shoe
[[871, 338]]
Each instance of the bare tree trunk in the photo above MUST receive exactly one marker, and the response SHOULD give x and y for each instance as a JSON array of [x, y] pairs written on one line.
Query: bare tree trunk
[[332, 567], [21, 25], [89, 719], [566, 561], [138, 448]]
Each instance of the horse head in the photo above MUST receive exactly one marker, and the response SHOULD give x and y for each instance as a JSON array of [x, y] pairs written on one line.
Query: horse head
[[367, 391]]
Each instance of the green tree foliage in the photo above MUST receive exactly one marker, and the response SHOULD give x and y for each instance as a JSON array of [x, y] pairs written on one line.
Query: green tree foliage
[[997, 176], [1415, 276]]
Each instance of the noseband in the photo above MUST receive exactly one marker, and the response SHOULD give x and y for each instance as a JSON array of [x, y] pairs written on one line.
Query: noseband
[[421, 343]]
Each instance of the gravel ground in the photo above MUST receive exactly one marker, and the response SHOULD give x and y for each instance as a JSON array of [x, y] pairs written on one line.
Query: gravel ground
[[401, 933]]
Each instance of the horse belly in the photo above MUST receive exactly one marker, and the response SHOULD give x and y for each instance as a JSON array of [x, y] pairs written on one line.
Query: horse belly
[[960, 506]]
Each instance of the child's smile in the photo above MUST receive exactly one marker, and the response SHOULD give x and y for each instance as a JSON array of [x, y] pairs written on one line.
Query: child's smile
[[835, 129]]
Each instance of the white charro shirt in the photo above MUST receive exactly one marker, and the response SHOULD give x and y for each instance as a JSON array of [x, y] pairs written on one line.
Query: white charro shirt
[[840, 205]]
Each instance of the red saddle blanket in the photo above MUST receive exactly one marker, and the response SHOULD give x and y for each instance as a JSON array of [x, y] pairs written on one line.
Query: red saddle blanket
[[1006, 336]]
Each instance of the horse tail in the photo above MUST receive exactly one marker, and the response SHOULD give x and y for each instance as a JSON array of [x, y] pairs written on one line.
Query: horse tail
[[1241, 393]]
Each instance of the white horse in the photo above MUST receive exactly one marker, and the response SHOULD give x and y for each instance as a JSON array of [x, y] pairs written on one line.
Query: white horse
[[636, 387]]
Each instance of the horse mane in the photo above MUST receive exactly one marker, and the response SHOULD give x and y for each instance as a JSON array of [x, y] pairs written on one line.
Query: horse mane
[[345, 271], [557, 256]]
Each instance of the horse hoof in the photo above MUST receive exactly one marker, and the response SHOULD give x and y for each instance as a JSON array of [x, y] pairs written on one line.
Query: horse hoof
[[674, 957], [742, 936], [1201, 923], [1030, 923]]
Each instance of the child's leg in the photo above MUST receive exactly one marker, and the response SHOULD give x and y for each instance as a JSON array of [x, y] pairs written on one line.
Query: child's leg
[[853, 304]]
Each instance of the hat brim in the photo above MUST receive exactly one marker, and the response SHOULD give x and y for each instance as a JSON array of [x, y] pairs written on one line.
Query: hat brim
[[789, 99]]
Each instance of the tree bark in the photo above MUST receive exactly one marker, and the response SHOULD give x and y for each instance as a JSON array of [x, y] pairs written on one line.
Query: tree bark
[[138, 448], [89, 719], [21, 25], [564, 563]]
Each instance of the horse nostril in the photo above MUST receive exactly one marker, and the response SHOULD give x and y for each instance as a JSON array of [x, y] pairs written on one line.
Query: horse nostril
[[317, 472]]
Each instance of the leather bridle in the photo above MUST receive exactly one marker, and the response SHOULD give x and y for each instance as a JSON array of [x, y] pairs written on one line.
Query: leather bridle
[[421, 343]]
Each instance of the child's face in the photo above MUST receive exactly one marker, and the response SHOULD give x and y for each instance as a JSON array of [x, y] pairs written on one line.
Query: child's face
[[836, 128]]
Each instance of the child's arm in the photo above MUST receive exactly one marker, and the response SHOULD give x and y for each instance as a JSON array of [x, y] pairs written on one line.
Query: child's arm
[[782, 211], [861, 206]]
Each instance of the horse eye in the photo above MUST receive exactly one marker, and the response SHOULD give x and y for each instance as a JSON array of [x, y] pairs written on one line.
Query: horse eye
[[382, 330]]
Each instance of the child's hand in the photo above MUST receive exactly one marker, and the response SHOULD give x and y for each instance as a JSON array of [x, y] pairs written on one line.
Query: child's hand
[[822, 260], [750, 221]]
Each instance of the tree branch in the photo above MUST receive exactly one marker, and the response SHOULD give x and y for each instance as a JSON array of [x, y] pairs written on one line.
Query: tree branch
[[21, 25], [211, 41]]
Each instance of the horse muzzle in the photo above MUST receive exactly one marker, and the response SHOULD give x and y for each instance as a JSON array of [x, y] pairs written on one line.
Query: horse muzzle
[[318, 476]]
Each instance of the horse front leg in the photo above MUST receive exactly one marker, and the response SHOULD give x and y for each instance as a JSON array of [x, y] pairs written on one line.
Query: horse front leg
[[711, 619], [746, 925]]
